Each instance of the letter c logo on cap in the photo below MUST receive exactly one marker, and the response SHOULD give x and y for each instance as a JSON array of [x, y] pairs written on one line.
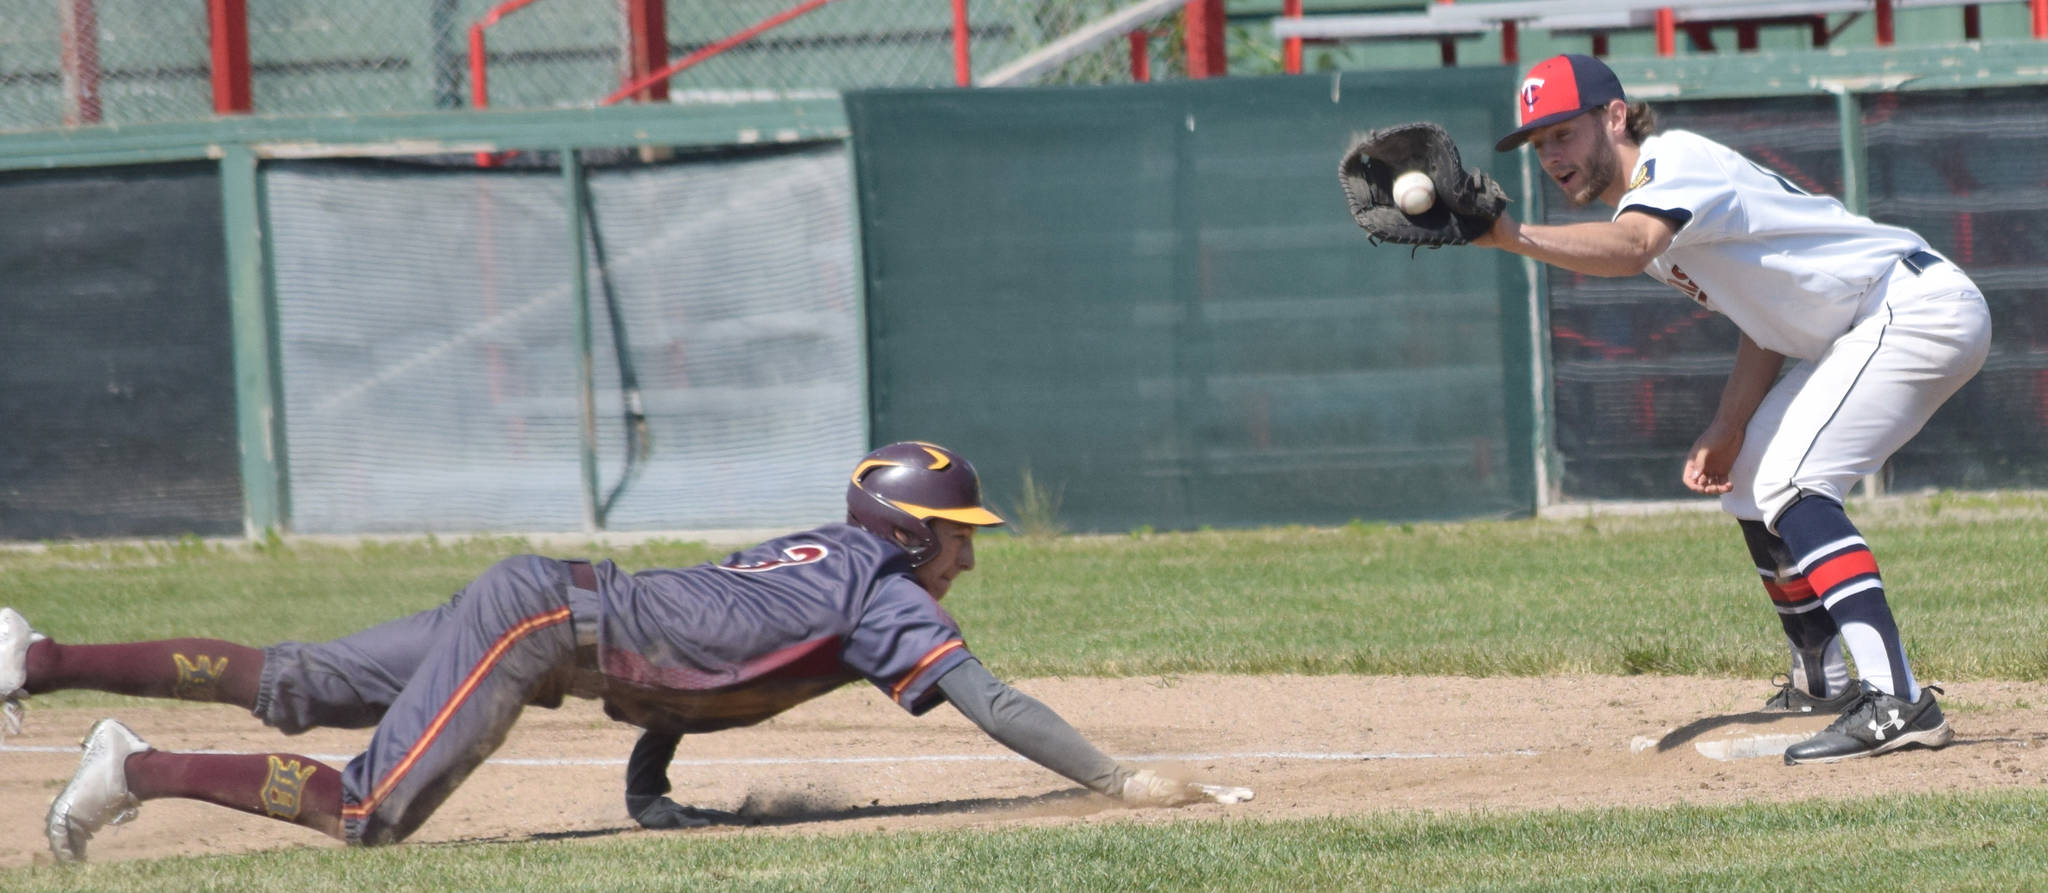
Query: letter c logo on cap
[[1529, 88]]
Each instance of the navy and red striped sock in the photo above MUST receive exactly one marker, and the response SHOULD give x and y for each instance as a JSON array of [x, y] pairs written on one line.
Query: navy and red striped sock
[[1831, 554], [1810, 634]]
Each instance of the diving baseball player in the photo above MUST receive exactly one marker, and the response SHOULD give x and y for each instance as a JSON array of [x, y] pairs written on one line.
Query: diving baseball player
[[674, 651], [1879, 331]]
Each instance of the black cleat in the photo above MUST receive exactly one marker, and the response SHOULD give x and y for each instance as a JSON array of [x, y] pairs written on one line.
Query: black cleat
[[1791, 699], [1876, 723]]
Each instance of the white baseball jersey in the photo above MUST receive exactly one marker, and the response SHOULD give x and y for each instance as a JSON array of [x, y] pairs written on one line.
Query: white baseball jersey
[[1794, 271]]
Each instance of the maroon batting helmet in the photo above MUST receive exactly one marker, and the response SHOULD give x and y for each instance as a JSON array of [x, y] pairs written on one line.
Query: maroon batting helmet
[[897, 488]]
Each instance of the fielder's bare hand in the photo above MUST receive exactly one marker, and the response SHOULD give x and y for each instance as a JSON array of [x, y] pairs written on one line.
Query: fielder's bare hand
[[1708, 462]]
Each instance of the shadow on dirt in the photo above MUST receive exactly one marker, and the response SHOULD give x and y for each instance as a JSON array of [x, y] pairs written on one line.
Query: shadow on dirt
[[795, 809], [1692, 731]]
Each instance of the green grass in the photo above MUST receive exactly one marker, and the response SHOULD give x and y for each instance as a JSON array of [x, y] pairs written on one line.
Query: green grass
[[1979, 842], [1664, 594]]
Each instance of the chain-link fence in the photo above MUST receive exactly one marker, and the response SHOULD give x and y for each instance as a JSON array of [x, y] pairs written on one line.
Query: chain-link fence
[[72, 62]]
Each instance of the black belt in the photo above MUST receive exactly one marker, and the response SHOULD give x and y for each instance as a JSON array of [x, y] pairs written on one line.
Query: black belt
[[1919, 261], [582, 576]]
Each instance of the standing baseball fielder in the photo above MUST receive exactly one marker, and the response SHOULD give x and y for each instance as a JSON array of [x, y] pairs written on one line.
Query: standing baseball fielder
[[1880, 331], [673, 651]]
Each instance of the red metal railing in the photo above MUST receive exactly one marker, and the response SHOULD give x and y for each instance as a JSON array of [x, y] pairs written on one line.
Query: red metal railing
[[738, 37], [232, 93], [479, 73]]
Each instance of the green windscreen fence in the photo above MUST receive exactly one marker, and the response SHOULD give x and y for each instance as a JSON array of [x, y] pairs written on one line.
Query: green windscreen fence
[[1154, 302], [1964, 169], [117, 402], [427, 317]]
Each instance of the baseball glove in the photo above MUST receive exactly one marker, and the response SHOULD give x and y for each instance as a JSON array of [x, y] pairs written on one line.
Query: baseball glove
[[1467, 201]]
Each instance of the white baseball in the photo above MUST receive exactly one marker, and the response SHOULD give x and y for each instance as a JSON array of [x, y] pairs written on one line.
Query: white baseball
[[1414, 192]]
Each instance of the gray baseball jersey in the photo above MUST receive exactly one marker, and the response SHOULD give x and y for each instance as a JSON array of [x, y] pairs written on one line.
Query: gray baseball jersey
[[734, 642]]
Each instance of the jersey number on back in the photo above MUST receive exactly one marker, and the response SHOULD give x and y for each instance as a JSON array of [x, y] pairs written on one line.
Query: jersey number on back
[[794, 555]]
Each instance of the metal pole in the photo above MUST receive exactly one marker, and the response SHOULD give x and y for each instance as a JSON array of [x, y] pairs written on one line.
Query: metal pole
[[647, 46], [229, 21], [1855, 196], [963, 69], [1205, 25], [259, 398], [1291, 52], [579, 290], [80, 61]]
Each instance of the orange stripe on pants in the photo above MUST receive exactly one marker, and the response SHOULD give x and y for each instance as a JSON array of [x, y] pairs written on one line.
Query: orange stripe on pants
[[453, 704]]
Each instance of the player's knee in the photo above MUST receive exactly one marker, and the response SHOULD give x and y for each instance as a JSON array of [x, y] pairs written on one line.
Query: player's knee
[[1784, 496]]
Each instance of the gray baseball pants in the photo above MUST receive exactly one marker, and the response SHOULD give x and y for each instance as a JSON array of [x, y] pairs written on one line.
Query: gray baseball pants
[[442, 687]]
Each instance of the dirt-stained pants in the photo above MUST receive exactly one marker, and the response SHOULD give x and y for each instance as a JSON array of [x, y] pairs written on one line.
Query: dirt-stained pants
[[443, 688]]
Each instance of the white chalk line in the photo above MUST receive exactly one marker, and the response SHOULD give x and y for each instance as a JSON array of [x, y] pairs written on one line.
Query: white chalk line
[[893, 759]]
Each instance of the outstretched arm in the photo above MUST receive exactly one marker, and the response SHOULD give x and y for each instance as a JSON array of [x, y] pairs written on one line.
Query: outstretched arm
[[1624, 246], [1023, 724]]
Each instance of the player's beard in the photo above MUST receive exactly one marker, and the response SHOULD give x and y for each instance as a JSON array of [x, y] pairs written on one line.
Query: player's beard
[[1599, 172]]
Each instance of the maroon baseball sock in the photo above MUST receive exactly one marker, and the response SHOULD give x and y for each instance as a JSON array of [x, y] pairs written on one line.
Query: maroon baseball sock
[[189, 669], [278, 785]]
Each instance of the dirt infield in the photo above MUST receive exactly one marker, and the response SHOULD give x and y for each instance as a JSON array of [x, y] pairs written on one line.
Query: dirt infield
[[1312, 746]]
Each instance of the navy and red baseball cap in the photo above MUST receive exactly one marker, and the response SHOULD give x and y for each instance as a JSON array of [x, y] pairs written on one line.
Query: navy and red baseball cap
[[1558, 88]]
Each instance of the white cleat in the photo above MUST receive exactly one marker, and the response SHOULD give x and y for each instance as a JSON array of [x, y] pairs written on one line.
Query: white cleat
[[98, 793], [15, 637]]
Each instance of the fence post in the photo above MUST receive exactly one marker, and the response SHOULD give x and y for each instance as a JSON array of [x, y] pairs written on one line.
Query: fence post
[[1291, 48], [229, 22], [647, 46], [963, 70], [579, 290], [1205, 27], [259, 406], [1855, 196], [80, 61]]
